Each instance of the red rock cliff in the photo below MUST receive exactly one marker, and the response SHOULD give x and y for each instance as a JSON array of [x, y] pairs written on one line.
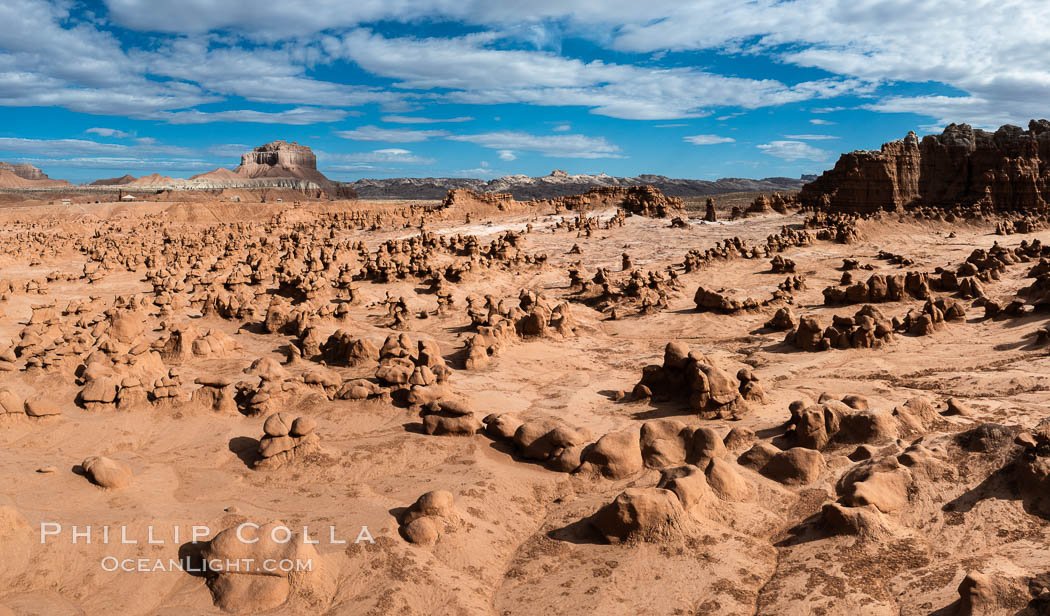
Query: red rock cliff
[[1008, 168]]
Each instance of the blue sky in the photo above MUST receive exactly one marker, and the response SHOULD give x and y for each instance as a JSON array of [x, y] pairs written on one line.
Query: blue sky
[[483, 88]]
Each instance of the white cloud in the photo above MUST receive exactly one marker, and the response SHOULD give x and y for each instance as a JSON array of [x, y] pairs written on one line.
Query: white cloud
[[811, 137], [273, 20], [401, 119], [87, 154], [506, 155], [483, 173], [729, 116], [263, 75], [554, 146], [385, 155], [478, 74], [49, 58], [978, 111], [111, 163], [229, 150], [707, 139], [794, 150], [296, 116], [392, 135], [80, 147], [561, 128], [820, 122], [993, 53], [109, 132]]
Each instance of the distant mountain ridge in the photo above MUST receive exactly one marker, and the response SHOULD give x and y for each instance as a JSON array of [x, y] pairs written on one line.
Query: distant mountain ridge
[[290, 166], [560, 184]]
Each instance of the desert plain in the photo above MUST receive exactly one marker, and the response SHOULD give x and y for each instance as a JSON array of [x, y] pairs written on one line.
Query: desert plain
[[613, 403]]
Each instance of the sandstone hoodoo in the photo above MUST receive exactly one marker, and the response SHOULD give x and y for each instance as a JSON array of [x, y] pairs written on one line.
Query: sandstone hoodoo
[[1001, 170]]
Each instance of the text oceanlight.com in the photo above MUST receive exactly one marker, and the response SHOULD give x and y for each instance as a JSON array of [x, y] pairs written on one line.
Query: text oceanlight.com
[[217, 565]]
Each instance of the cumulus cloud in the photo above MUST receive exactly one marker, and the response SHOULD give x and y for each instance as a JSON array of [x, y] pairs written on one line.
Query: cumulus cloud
[[50, 56], [707, 139], [982, 49], [992, 61], [262, 75], [554, 146], [993, 57], [477, 73], [794, 150], [506, 155], [820, 122], [392, 135]]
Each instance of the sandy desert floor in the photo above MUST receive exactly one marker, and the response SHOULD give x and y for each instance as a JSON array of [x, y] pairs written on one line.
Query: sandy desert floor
[[932, 502]]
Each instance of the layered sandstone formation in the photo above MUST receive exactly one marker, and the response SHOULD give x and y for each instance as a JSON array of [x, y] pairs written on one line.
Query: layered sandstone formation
[[281, 159], [25, 171], [24, 175], [1004, 170], [278, 164]]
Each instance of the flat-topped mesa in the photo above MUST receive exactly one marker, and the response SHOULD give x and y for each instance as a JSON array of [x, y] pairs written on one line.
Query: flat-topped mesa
[[278, 164], [962, 165], [23, 175], [281, 159], [25, 171]]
